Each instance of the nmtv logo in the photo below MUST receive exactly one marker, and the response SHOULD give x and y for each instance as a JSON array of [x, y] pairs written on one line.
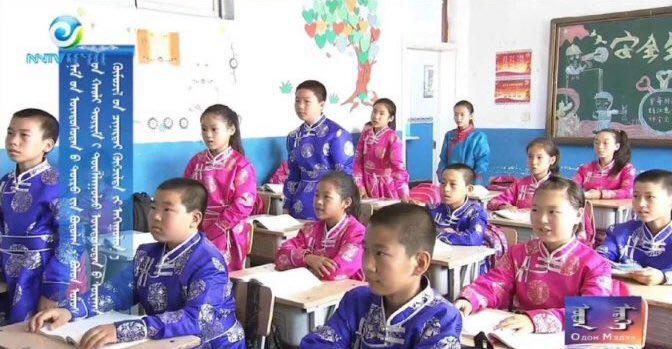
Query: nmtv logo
[[70, 57], [44, 58]]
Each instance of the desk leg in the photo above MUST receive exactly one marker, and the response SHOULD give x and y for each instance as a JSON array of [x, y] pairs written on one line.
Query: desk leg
[[311, 321], [451, 284]]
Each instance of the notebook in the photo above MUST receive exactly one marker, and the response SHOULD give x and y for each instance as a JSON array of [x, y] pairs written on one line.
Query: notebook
[[287, 282], [273, 187], [73, 332], [283, 222], [522, 216], [486, 320]]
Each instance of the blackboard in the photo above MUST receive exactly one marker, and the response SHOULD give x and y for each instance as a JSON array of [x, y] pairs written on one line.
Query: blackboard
[[611, 71]]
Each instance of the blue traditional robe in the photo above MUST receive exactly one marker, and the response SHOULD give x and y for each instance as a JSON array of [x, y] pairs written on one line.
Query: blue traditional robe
[[29, 238], [184, 291], [474, 152], [313, 152], [632, 243], [426, 321], [464, 226]]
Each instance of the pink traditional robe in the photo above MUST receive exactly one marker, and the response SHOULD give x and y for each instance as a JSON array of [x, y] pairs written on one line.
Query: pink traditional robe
[[280, 175], [231, 182], [379, 164], [593, 176], [531, 279], [344, 244], [519, 194]]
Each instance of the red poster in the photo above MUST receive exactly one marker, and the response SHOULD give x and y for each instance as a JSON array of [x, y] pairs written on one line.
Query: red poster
[[512, 77]]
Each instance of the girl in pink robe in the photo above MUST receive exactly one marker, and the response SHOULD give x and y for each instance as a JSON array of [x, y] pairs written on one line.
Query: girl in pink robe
[[536, 276], [332, 247], [543, 160], [379, 161], [611, 176], [231, 182]]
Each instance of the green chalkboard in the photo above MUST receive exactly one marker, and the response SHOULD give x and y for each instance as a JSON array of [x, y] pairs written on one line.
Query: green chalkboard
[[611, 71]]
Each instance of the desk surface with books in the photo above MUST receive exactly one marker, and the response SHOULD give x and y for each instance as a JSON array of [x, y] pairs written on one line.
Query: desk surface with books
[[518, 220], [454, 267], [269, 233], [16, 337], [486, 320]]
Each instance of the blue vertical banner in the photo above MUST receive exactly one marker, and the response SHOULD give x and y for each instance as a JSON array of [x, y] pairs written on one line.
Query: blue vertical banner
[[95, 162]]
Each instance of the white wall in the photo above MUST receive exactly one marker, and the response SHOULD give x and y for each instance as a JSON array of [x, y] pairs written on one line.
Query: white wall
[[505, 25], [270, 43]]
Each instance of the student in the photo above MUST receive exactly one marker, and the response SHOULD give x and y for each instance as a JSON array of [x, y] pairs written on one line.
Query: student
[[398, 309], [464, 144], [280, 174], [543, 161], [315, 148], [379, 162], [181, 281], [332, 247], [29, 205], [646, 241], [612, 175], [536, 276], [231, 182]]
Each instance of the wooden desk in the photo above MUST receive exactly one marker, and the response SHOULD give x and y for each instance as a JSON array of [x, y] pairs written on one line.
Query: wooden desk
[[266, 242], [608, 213], [524, 229], [16, 337], [297, 314], [369, 206], [454, 267], [660, 312], [275, 201]]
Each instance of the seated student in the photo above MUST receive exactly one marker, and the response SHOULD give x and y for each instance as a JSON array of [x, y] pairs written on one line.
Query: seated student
[[29, 241], [181, 281], [612, 175], [543, 160], [647, 240], [332, 247], [398, 309], [536, 276]]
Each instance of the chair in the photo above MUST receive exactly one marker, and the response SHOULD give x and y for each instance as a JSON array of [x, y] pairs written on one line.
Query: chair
[[254, 309]]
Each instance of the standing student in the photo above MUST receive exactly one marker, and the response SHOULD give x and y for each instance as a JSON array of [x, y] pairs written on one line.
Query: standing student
[[647, 240], [379, 162], [398, 309], [231, 182], [181, 281], [536, 276], [612, 175], [30, 244], [315, 148], [332, 247], [464, 144], [543, 161]]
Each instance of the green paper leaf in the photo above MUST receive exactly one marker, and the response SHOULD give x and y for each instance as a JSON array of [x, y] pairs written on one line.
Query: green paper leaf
[[309, 16], [320, 40], [363, 97], [363, 57], [331, 36], [365, 42]]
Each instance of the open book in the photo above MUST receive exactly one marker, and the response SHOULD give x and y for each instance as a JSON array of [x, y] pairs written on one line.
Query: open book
[[622, 269], [379, 203], [273, 187], [486, 320], [286, 282], [480, 193], [283, 222], [73, 332], [522, 216]]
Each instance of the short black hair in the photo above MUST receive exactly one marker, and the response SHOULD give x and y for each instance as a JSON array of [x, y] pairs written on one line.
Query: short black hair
[[414, 226], [657, 176], [467, 172], [316, 87], [193, 194], [49, 125]]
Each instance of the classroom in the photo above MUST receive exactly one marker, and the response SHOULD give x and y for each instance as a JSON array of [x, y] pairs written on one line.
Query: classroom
[[335, 173]]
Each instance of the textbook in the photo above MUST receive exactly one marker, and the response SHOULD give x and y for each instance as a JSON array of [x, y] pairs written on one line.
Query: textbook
[[522, 216], [286, 282], [273, 187], [380, 203], [283, 222], [623, 269], [73, 332], [486, 320]]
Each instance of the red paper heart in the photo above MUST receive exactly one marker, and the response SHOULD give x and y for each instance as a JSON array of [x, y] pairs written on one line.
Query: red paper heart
[[375, 34], [310, 29]]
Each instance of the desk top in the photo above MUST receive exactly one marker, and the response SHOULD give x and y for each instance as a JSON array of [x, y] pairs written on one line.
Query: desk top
[[456, 256], [612, 203], [16, 337], [326, 294], [659, 295], [270, 194], [498, 221], [290, 233]]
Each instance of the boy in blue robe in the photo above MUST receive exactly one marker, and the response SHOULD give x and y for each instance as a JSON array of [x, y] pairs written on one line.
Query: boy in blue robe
[[398, 309], [36, 279], [181, 281], [647, 241]]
